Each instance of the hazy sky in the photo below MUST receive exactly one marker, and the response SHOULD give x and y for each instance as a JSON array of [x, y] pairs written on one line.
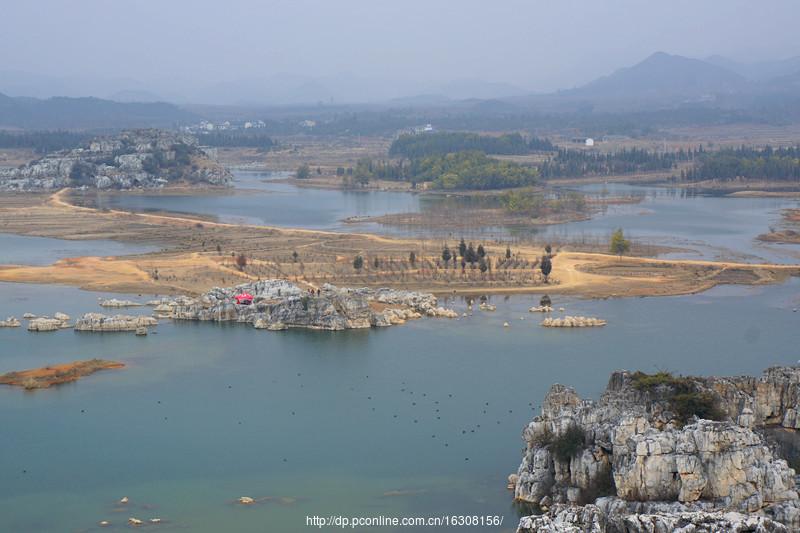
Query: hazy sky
[[537, 45]]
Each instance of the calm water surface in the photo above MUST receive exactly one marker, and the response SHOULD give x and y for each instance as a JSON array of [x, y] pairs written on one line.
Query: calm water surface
[[708, 227], [430, 411], [22, 250]]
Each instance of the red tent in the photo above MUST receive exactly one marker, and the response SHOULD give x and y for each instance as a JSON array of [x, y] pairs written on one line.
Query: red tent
[[244, 298]]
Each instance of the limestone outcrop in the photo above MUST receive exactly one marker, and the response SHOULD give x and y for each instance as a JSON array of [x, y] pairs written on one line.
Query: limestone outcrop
[[10, 322], [592, 519], [128, 160], [48, 324], [279, 304], [573, 322], [98, 322], [657, 447], [114, 302]]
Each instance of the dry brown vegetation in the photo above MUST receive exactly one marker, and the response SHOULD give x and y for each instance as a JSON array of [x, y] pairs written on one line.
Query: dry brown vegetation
[[42, 378], [198, 255]]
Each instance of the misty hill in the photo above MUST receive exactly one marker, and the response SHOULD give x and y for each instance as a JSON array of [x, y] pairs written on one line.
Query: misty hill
[[87, 113], [760, 70], [663, 77]]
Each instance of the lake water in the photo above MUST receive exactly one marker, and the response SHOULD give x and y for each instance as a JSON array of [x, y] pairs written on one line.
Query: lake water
[[422, 419], [264, 199], [22, 250], [708, 227]]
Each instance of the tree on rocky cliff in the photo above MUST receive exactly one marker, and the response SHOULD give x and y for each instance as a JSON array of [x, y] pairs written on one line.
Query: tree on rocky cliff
[[619, 244], [546, 265], [412, 258], [508, 252], [241, 261], [358, 263]]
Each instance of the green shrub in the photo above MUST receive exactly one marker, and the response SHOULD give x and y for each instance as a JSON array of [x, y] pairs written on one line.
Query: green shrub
[[702, 404], [568, 444], [681, 393]]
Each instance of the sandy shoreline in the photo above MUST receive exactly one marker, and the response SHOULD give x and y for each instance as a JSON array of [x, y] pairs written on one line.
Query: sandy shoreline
[[198, 255]]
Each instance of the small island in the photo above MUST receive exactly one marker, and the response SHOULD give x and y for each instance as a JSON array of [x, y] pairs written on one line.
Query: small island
[[45, 377]]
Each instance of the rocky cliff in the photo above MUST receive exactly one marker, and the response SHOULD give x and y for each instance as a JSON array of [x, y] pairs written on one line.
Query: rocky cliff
[[279, 304], [659, 452], [131, 159]]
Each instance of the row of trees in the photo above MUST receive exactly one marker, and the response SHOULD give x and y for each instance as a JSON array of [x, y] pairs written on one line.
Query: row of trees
[[576, 163], [747, 162], [43, 142], [239, 139], [428, 144]]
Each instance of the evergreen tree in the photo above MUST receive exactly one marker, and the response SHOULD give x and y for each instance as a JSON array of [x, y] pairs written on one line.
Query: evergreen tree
[[546, 265], [462, 248], [358, 262], [508, 252], [619, 245], [303, 172], [446, 255]]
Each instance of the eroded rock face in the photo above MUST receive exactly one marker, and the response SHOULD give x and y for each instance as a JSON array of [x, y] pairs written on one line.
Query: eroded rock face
[[10, 322], [131, 159], [99, 322], [634, 446], [279, 304], [592, 519]]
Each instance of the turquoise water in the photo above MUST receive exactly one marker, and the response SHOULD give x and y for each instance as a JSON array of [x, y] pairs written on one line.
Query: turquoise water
[[206, 413], [21, 250], [707, 227]]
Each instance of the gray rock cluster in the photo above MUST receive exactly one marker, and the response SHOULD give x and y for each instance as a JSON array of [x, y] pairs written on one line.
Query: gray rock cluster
[[10, 322], [131, 159], [114, 302], [99, 322], [573, 322], [44, 323], [592, 519], [279, 304], [636, 460]]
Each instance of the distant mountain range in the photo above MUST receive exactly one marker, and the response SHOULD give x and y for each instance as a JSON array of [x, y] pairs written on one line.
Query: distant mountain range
[[87, 113], [660, 81], [663, 80]]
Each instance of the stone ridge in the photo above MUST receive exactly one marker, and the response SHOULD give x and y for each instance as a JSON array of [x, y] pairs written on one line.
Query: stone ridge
[[279, 304], [637, 456], [145, 159]]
